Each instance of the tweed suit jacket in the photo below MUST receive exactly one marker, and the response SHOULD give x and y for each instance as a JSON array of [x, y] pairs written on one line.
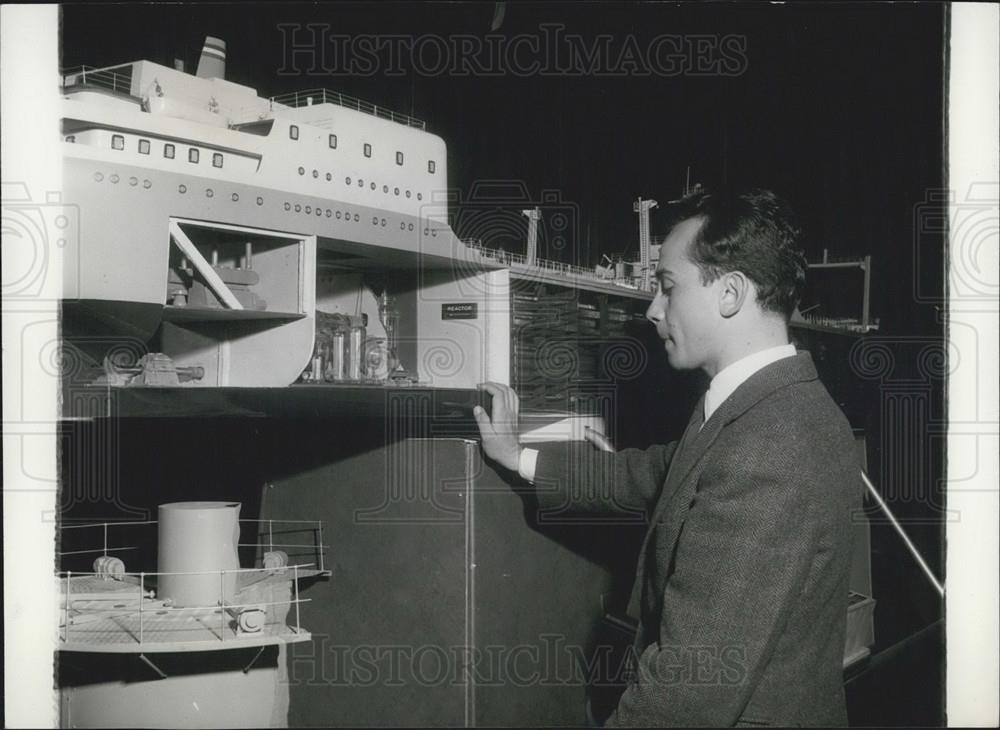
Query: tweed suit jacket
[[742, 580]]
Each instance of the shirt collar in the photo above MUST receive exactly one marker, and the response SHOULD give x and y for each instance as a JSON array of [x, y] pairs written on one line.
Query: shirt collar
[[734, 375]]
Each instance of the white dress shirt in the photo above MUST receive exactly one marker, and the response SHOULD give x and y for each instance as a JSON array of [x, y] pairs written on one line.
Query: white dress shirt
[[725, 382], [731, 377]]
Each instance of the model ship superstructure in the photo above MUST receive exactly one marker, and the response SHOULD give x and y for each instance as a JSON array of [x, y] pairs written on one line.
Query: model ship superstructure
[[214, 223]]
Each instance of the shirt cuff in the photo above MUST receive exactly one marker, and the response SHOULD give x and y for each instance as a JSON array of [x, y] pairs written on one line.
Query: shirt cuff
[[526, 464]]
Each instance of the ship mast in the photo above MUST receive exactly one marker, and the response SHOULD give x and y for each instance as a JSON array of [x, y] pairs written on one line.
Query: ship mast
[[642, 207]]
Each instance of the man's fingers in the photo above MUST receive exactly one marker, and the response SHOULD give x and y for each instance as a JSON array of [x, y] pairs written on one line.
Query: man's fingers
[[483, 421], [503, 395], [499, 391]]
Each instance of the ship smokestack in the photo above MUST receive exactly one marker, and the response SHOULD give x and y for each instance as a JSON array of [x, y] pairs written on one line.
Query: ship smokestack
[[212, 64]]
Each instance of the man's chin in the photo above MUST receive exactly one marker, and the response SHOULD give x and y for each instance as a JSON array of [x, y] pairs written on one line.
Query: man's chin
[[673, 357]]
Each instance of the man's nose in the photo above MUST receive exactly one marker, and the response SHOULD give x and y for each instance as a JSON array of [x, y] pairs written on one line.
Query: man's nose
[[654, 313]]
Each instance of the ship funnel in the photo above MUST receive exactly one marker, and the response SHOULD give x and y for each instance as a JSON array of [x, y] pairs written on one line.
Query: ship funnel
[[212, 64]]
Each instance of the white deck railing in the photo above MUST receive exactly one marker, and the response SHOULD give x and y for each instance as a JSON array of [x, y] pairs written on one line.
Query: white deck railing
[[309, 97]]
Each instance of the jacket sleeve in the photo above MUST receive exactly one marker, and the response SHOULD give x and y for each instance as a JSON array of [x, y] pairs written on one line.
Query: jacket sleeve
[[576, 477], [741, 562]]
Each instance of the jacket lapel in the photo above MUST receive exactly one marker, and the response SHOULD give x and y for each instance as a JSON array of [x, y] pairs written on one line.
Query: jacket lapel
[[757, 387], [678, 490]]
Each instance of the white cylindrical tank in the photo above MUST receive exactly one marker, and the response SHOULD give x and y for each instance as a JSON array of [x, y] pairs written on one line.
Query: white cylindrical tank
[[195, 537]]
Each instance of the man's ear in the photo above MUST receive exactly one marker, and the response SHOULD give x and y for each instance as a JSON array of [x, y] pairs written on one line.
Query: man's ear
[[736, 287]]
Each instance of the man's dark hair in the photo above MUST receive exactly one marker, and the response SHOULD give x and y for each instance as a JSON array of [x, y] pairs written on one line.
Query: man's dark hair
[[754, 232]]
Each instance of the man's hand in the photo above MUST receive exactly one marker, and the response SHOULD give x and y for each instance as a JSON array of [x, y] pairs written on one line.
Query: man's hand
[[500, 432]]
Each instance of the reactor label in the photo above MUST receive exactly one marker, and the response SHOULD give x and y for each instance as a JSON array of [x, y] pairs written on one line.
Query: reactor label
[[460, 310]]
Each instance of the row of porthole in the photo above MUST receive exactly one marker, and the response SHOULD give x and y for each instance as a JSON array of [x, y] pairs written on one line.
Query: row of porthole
[[361, 183], [209, 192], [147, 184], [133, 181], [346, 215]]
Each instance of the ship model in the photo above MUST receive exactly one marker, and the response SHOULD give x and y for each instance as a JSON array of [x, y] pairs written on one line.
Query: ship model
[[219, 238]]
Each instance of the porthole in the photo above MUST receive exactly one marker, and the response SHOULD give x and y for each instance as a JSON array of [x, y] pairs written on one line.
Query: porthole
[[407, 193], [260, 200], [209, 193], [315, 173], [298, 208], [329, 177], [133, 181], [114, 178], [308, 209], [420, 196], [385, 188], [236, 197], [182, 188], [288, 206], [338, 215], [302, 171], [357, 217], [373, 186], [395, 191], [347, 181]]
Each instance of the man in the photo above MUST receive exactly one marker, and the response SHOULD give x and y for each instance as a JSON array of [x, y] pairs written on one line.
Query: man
[[742, 581]]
